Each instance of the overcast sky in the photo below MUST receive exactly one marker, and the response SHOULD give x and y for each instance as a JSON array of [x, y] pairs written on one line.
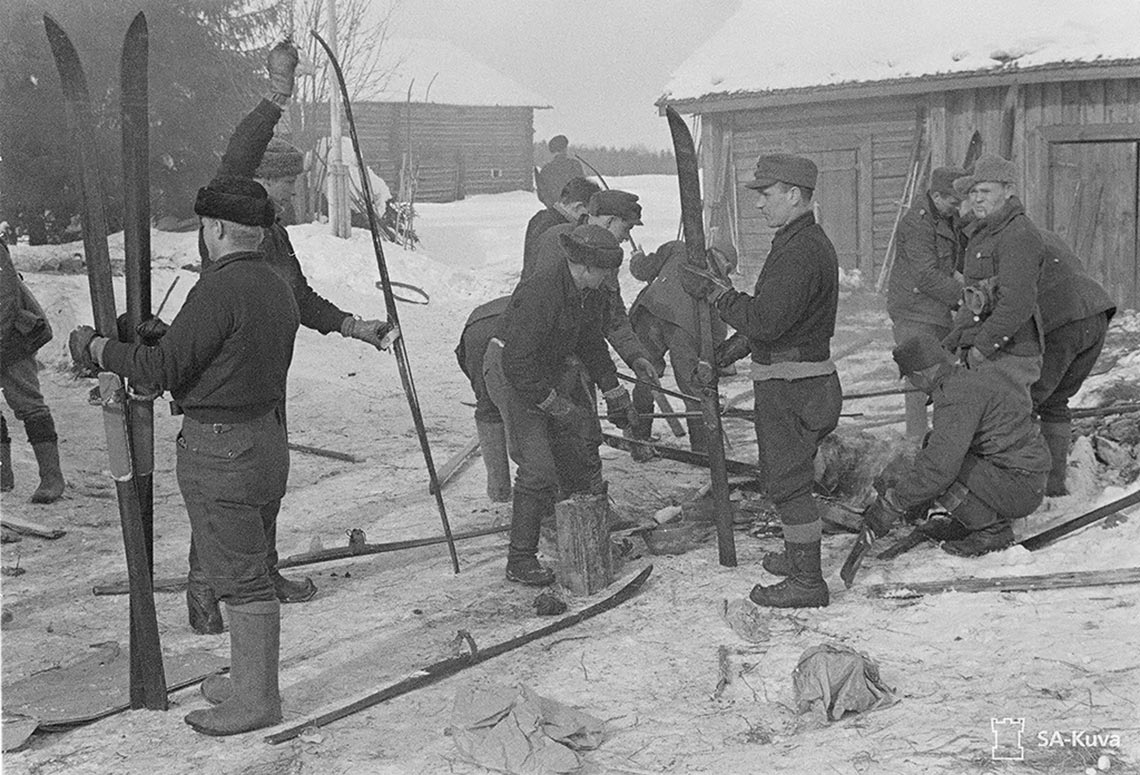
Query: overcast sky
[[600, 63]]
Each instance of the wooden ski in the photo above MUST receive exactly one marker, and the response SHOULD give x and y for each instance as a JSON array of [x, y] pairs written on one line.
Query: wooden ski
[[449, 667], [398, 347], [147, 679], [692, 221], [1066, 580]]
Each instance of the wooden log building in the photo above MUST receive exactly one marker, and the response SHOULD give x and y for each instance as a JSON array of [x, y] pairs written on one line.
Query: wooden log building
[[455, 125], [842, 83]]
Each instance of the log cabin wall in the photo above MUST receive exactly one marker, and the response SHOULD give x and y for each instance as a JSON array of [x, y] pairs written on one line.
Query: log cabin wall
[[1075, 141]]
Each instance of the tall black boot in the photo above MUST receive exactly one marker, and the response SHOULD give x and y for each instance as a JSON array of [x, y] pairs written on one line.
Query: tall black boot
[[7, 478], [1057, 436], [523, 566], [804, 587], [202, 609], [287, 590]]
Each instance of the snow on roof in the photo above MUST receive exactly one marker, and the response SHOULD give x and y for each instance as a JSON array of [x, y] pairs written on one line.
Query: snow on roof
[[775, 44], [446, 75]]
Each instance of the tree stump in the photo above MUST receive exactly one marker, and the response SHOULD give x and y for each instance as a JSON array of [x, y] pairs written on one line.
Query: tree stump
[[585, 561]]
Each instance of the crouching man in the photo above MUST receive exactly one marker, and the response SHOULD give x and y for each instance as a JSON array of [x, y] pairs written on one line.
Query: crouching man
[[984, 462], [544, 324], [225, 359]]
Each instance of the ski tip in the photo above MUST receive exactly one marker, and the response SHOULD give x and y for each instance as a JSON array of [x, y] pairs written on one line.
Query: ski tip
[[138, 25]]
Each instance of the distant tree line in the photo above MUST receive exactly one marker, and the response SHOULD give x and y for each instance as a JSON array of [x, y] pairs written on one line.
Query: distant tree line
[[632, 160]]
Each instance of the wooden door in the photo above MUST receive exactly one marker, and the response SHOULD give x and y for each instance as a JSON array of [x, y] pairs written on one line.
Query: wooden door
[[837, 200], [1093, 191]]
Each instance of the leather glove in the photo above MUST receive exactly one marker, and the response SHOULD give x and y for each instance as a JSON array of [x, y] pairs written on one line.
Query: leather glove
[[563, 411], [378, 333], [619, 408], [703, 284], [79, 344], [732, 349], [644, 370], [883, 513], [282, 66], [148, 332]]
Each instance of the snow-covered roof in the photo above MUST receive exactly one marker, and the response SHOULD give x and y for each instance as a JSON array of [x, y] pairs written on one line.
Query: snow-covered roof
[[446, 75], [771, 45]]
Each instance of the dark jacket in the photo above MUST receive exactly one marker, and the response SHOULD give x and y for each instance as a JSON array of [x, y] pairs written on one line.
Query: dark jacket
[[1004, 258], [227, 353], [554, 175], [605, 302], [243, 155], [976, 411], [1065, 292], [24, 327], [538, 225], [477, 331], [663, 296], [546, 321], [791, 314], [922, 286]]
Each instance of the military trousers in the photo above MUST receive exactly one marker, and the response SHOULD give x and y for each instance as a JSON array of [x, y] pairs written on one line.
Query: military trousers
[[1071, 351]]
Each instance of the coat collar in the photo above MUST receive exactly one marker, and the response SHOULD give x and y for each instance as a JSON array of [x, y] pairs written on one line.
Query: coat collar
[[232, 258], [1000, 218], [793, 227]]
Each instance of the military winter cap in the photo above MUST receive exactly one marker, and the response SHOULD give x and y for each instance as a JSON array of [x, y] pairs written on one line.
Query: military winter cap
[[918, 353], [784, 168], [988, 168], [623, 204], [240, 200], [942, 180], [282, 159], [592, 246]]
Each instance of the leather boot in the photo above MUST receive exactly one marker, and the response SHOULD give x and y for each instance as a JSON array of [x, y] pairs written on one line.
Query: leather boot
[[493, 445], [255, 702], [527, 514], [777, 563], [1057, 436], [803, 588], [289, 591], [992, 538], [202, 607]]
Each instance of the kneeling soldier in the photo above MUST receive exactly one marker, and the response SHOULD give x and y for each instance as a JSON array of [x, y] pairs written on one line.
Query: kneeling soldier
[[985, 462]]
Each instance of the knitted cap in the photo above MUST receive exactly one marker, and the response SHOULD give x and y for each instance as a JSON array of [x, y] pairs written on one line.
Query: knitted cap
[[282, 159]]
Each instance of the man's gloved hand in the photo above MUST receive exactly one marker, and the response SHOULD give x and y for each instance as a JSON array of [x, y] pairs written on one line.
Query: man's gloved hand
[[703, 284], [149, 331], [644, 370], [378, 333], [563, 411], [731, 350], [79, 344], [282, 66], [973, 358], [619, 407], [883, 513]]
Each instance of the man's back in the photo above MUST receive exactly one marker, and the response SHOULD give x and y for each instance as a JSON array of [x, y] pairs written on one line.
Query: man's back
[[555, 174]]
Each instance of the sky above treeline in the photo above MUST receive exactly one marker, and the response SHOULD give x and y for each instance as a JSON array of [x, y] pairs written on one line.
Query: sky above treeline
[[601, 64]]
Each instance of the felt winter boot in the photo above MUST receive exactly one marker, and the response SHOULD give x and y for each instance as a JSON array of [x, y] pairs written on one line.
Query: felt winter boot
[[254, 702], [1057, 435], [803, 588], [41, 435], [493, 446]]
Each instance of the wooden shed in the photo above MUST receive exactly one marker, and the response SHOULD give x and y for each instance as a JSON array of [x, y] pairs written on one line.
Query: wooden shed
[[842, 83], [452, 123]]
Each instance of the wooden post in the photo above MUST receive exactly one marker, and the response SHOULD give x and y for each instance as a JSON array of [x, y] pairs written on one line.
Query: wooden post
[[585, 561], [339, 219]]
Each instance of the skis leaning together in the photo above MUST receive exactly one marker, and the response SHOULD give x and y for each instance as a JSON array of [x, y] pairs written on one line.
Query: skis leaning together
[[398, 347], [692, 221], [127, 424]]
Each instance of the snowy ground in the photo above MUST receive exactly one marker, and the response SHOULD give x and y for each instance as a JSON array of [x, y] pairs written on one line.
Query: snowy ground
[[1063, 660]]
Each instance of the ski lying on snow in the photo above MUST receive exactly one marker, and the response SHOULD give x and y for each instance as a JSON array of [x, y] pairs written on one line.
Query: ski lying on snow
[[448, 667], [1069, 579]]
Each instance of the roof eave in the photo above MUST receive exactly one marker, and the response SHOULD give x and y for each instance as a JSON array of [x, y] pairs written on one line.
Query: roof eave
[[973, 79]]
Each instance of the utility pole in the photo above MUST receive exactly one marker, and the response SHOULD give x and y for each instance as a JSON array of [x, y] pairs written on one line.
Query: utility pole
[[338, 172]]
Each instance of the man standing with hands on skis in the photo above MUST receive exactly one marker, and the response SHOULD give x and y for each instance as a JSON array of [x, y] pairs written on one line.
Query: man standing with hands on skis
[[225, 359], [788, 323], [253, 152]]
